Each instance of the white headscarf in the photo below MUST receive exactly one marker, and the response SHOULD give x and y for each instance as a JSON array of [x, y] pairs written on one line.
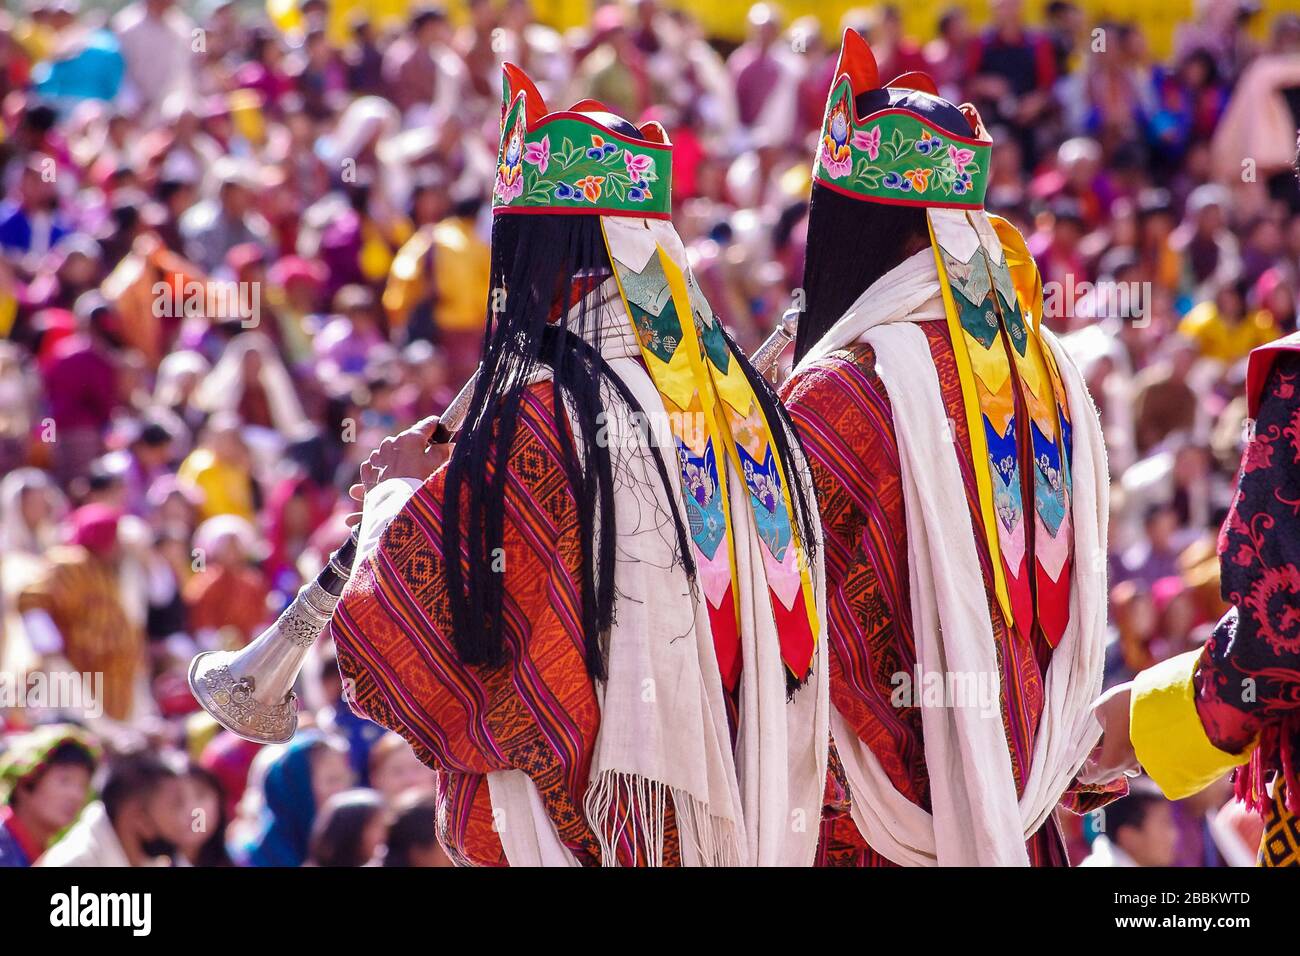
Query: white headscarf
[[16, 536], [223, 388]]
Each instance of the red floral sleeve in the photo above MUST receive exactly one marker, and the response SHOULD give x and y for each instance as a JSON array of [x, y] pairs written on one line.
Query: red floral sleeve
[[1248, 677]]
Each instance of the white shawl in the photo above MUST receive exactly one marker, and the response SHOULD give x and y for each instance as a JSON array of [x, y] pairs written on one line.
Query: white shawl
[[977, 819]]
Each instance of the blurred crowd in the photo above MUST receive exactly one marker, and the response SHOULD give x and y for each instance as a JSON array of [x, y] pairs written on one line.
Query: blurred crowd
[[236, 252]]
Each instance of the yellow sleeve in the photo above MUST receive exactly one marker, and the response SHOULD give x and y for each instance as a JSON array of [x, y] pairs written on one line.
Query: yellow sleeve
[[406, 277], [1166, 730]]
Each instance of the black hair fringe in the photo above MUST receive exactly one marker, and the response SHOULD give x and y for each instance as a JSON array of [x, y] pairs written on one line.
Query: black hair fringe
[[542, 263], [851, 244]]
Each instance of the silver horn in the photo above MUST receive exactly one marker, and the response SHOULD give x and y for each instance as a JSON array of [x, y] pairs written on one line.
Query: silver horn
[[766, 355], [250, 691]]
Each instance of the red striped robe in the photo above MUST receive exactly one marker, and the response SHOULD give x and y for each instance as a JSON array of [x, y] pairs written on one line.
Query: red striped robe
[[537, 711], [845, 422]]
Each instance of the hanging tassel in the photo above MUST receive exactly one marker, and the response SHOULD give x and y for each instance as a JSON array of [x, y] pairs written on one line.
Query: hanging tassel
[[1275, 753]]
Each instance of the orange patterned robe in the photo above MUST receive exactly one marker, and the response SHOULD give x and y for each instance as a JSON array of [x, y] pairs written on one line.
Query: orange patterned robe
[[81, 595]]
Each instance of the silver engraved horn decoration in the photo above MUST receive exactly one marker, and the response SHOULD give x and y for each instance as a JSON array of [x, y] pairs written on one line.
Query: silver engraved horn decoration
[[766, 355], [250, 691]]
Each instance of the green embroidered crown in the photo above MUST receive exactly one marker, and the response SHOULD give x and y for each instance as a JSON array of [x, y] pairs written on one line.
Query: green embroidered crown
[[569, 162], [895, 155]]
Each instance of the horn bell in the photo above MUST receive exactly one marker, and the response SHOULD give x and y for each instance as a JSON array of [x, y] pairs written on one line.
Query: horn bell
[[250, 691]]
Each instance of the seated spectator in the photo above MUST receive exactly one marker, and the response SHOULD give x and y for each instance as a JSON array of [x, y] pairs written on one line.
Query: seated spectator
[[139, 819], [396, 771], [204, 840], [44, 784], [220, 470], [349, 830], [413, 834], [1139, 831], [76, 619], [300, 777], [345, 344], [229, 218], [31, 223], [1221, 327], [227, 598]]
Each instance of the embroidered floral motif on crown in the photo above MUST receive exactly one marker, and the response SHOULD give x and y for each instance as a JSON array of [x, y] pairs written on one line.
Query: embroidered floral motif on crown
[[567, 163], [894, 156]]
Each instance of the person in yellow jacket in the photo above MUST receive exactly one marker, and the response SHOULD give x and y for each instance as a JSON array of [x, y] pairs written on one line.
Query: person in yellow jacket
[[220, 470], [1235, 703], [1224, 329], [438, 284]]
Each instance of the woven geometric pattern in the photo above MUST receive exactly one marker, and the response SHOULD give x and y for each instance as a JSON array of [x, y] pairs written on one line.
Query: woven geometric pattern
[[1280, 845]]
